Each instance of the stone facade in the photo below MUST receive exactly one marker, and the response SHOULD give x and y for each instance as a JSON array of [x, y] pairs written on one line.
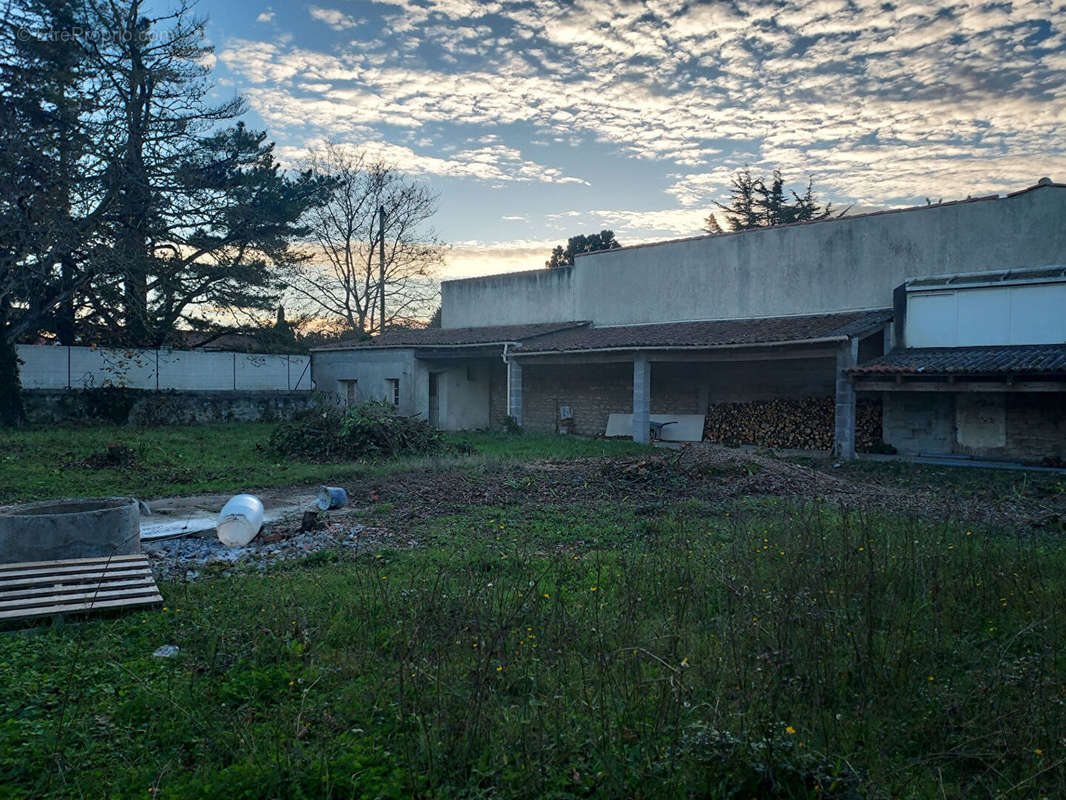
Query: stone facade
[[146, 407]]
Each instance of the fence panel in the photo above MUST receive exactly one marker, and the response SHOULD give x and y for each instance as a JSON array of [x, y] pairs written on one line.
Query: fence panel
[[257, 372], [94, 367], [189, 370], [48, 367], [43, 367]]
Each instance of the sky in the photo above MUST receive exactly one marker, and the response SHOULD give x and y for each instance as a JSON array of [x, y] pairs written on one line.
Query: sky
[[535, 121]]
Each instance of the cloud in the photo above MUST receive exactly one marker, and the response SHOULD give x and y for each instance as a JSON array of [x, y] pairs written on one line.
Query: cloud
[[471, 259], [497, 164], [337, 20], [879, 103], [266, 16]]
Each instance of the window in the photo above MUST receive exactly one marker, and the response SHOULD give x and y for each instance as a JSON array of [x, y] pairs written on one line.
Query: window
[[393, 395], [350, 390]]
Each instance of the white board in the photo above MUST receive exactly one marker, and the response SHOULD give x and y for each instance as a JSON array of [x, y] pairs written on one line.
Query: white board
[[686, 427]]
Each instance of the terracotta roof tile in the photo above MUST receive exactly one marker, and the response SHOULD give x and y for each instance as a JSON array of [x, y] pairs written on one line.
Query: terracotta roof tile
[[1001, 360], [711, 334], [452, 337]]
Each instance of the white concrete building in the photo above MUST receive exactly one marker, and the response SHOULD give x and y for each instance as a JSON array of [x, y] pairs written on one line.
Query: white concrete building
[[825, 309]]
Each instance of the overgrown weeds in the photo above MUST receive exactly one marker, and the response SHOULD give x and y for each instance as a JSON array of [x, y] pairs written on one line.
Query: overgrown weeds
[[758, 649], [370, 430]]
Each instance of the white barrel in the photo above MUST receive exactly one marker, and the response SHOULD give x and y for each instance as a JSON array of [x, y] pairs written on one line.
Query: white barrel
[[240, 520]]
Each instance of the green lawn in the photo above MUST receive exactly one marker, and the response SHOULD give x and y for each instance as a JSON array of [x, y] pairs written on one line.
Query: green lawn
[[609, 630], [43, 463], [766, 650]]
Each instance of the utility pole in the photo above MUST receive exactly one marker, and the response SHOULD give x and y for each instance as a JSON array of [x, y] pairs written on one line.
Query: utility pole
[[381, 262]]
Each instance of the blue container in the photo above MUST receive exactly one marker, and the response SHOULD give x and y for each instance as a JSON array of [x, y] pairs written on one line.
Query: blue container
[[332, 497]]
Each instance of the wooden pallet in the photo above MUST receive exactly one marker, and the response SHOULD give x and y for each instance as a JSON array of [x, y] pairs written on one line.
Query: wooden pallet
[[78, 585]]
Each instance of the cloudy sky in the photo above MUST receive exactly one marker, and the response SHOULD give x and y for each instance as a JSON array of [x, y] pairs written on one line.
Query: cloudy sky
[[538, 120]]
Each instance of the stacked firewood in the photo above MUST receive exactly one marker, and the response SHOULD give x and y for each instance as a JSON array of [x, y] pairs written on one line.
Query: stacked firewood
[[800, 423]]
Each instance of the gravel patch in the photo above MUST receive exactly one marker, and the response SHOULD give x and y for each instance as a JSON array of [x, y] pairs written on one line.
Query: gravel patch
[[191, 557]]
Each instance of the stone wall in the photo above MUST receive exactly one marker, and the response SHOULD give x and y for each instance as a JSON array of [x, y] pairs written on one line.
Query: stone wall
[[146, 407]]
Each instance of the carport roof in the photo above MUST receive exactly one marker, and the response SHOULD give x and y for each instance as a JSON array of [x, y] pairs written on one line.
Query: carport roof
[[456, 337], [709, 335], [1040, 359]]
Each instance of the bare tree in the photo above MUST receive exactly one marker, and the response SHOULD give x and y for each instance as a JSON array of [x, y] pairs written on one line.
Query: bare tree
[[341, 280]]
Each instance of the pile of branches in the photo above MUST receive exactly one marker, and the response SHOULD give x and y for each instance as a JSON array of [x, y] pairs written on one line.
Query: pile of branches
[[370, 430], [802, 423]]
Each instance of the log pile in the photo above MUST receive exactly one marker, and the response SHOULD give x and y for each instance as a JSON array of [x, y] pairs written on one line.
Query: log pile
[[800, 423]]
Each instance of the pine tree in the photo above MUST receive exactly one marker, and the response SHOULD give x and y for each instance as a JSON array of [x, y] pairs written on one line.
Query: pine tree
[[754, 204]]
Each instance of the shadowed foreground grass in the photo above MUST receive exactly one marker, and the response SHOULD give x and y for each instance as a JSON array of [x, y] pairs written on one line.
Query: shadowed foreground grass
[[44, 463], [760, 650]]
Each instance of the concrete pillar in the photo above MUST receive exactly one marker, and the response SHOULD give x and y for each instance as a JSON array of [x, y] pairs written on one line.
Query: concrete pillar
[[641, 398], [514, 391], [703, 398], [844, 433], [420, 390]]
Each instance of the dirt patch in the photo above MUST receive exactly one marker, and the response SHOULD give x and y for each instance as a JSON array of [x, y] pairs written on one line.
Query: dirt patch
[[710, 473], [707, 473], [113, 456]]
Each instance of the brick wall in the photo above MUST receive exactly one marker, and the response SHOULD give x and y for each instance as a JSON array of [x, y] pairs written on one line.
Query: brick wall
[[594, 391], [1036, 425]]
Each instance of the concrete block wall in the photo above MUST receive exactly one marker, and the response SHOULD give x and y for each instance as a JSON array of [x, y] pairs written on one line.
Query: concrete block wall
[[741, 381], [593, 391], [1011, 425], [919, 422], [1036, 426]]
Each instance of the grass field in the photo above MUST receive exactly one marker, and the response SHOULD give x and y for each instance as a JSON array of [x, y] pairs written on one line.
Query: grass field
[[45, 463], [614, 628]]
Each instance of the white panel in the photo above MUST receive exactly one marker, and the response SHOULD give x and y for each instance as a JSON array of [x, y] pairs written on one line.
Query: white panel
[[1038, 314], [300, 372], [686, 427], [983, 317], [43, 366], [105, 366], [261, 372], [179, 369], [931, 320]]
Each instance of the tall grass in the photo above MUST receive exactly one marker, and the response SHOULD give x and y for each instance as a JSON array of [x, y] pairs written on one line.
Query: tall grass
[[760, 650]]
